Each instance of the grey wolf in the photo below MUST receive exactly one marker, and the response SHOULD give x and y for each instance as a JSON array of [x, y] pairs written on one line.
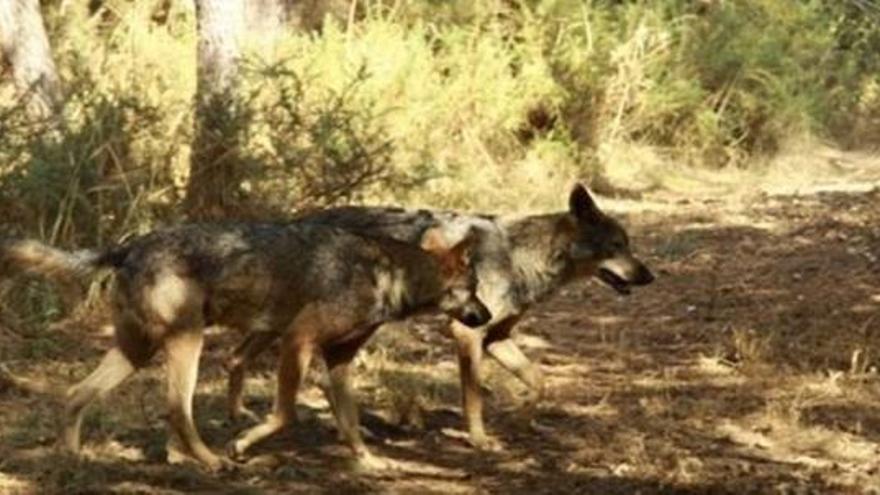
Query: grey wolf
[[518, 262], [318, 287]]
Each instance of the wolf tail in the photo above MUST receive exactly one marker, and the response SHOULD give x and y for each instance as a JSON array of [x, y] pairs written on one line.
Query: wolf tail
[[37, 258]]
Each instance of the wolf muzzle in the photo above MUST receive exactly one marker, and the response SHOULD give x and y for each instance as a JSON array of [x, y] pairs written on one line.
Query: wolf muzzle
[[474, 314], [623, 272]]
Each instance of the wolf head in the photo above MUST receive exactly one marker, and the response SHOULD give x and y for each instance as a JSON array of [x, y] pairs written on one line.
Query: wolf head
[[459, 281], [599, 245]]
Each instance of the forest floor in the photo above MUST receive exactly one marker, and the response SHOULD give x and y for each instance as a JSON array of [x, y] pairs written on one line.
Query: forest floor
[[749, 366]]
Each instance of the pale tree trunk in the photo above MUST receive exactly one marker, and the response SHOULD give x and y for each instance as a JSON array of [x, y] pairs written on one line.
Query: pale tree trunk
[[265, 20], [25, 47], [215, 175]]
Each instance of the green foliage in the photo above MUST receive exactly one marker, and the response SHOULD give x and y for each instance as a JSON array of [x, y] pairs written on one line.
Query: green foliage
[[715, 82], [76, 178], [487, 105], [311, 153]]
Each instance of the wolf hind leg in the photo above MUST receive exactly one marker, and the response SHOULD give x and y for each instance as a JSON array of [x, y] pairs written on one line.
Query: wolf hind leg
[[115, 367], [133, 349], [183, 350]]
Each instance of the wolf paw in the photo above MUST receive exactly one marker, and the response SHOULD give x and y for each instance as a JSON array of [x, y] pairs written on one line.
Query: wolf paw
[[479, 441], [235, 450], [213, 463], [368, 463], [486, 444]]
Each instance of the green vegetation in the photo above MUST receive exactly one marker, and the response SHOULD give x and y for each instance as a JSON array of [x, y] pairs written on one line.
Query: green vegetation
[[487, 105]]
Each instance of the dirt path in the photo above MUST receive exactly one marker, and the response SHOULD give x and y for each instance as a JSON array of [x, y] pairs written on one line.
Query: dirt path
[[749, 367]]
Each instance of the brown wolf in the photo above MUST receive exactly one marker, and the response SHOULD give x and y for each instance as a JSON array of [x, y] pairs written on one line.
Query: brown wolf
[[518, 261], [318, 287]]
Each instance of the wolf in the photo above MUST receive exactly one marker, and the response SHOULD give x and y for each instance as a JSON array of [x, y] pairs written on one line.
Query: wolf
[[518, 263], [317, 287]]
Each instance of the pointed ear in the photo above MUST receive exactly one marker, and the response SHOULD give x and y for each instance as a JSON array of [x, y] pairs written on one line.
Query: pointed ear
[[462, 250], [434, 241], [453, 258], [582, 206]]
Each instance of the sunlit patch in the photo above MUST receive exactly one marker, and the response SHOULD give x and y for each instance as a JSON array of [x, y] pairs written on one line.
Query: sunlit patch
[[572, 371], [863, 308], [661, 383], [828, 386], [714, 365], [230, 240], [782, 439], [608, 320], [601, 409], [12, 484], [111, 449]]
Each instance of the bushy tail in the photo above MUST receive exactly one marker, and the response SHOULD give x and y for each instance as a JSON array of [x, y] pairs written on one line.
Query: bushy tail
[[35, 257]]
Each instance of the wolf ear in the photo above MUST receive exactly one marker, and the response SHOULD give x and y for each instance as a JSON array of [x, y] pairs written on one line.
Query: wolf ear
[[434, 241], [582, 206], [462, 250], [454, 257]]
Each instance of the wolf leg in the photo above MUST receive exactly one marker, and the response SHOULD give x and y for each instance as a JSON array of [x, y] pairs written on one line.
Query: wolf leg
[[183, 349], [469, 344], [112, 371], [501, 347], [253, 345], [343, 403], [511, 357], [292, 368]]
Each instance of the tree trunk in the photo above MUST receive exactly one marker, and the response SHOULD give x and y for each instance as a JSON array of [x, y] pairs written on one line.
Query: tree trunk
[[213, 187], [265, 19], [25, 47]]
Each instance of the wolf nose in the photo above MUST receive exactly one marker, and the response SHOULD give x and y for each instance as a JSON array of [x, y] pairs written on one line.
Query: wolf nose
[[645, 276], [476, 316]]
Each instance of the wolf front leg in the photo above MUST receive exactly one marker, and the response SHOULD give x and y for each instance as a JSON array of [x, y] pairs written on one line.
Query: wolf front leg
[[253, 345], [469, 343], [340, 394], [293, 366], [502, 348]]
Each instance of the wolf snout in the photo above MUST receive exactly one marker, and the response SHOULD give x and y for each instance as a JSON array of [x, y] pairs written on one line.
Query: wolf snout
[[643, 276], [475, 315]]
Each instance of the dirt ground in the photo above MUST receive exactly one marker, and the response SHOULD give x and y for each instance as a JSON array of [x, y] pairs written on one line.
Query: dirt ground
[[750, 366]]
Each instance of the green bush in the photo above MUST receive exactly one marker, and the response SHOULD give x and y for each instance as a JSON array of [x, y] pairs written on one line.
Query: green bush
[[716, 82]]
